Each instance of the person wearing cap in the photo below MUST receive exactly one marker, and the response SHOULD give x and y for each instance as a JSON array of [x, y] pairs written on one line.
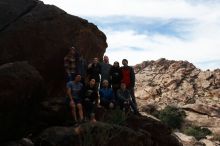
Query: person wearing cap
[[128, 77], [70, 63]]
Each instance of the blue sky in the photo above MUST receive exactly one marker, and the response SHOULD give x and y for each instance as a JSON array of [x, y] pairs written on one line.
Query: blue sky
[[142, 30]]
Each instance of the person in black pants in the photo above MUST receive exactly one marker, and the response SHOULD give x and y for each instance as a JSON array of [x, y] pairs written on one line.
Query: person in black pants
[[115, 77], [90, 94], [124, 98], [94, 71]]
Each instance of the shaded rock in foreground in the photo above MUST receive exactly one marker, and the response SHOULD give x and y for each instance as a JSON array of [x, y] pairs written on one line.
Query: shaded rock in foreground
[[99, 134], [21, 88], [160, 133]]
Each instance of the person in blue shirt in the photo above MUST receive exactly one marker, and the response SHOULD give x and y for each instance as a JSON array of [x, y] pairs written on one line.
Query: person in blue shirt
[[106, 94], [74, 99]]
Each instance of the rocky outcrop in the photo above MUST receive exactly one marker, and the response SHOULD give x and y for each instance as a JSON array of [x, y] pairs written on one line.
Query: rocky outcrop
[[54, 114], [108, 135], [191, 141], [22, 142], [160, 134], [93, 134], [21, 88], [179, 83], [41, 35]]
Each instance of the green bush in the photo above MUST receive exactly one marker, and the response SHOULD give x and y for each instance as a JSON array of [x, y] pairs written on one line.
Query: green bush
[[172, 116], [115, 116], [197, 132]]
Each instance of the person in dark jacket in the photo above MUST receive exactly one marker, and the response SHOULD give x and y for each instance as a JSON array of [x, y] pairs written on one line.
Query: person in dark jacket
[[105, 68], [128, 77], [94, 71], [90, 94], [115, 77], [124, 98]]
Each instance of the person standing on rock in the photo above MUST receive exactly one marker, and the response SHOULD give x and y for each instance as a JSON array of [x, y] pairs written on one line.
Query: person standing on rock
[[128, 77], [105, 68], [115, 77], [70, 63], [74, 99], [94, 71]]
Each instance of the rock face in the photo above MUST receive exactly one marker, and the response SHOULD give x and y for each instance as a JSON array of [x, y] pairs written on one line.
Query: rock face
[[104, 134], [177, 82], [180, 83], [41, 34], [21, 88], [159, 133]]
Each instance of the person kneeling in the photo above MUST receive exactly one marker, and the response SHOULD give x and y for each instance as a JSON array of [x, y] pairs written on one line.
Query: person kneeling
[[124, 99], [90, 95], [106, 96]]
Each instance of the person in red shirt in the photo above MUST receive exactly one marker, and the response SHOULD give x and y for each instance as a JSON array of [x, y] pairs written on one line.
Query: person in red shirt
[[128, 77]]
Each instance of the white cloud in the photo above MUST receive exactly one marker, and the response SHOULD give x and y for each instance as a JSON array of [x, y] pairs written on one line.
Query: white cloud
[[201, 46], [161, 46], [146, 8]]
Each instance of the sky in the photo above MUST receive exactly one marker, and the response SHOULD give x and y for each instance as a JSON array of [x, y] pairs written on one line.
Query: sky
[[143, 30]]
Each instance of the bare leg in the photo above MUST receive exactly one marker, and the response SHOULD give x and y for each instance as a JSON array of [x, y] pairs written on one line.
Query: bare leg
[[73, 110], [79, 106]]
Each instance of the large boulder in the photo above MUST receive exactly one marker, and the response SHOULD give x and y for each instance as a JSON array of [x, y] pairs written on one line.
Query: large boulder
[[41, 34], [93, 134], [21, 88], [160, 134], [99, 134]]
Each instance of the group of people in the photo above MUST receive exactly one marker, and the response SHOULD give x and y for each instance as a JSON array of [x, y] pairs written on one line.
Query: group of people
[[102, 85]]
